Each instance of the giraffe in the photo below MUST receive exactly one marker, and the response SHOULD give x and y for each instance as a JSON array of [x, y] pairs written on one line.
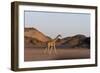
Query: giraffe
[[51, 45]]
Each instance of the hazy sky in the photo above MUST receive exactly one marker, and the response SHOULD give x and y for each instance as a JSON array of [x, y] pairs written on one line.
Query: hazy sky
[[53, 23]]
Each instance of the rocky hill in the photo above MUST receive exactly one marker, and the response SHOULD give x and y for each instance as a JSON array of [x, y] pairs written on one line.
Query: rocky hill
[[75, 41], [33, 37]]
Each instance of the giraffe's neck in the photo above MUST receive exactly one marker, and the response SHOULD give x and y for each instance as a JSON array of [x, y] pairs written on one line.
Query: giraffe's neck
[[56, 38]]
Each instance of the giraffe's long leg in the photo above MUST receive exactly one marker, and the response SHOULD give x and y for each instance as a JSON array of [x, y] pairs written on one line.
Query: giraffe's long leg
[[45, 50], [50, 50], [49, 47], [55, 50]]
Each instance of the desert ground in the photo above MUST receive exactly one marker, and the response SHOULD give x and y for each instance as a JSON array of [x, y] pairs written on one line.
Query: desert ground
[[39, 54], [69, 47]]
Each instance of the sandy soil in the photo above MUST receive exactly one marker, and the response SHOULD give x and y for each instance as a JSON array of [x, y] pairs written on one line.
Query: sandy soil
[[32, 54]]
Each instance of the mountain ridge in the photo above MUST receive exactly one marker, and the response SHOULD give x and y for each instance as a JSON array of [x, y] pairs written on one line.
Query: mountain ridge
[[34, 37]]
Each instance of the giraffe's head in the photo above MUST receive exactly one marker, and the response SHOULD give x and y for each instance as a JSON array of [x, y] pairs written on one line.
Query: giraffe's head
[[59, 35]]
